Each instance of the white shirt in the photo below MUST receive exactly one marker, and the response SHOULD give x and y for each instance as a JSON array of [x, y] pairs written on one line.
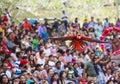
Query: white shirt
[[27, 45], [41, 61], [80, 70], [99, 27], [8, 73], [68, 58], [87, 58], [47, 52], [51, 63]]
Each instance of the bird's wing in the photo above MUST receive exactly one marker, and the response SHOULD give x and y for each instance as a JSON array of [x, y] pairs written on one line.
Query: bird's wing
[[92, 40], [63, 38]]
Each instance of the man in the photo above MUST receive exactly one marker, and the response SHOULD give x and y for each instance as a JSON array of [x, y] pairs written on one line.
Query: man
[[90, 68], [26, 25], [92, 23], [50, 73], [65, 18], [106, 23]]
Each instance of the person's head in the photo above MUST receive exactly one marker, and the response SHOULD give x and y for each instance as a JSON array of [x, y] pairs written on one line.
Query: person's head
[[23, 79], [16, 80], [91, 82], [114, 64], [70, 65], [85, 20], [38, 67], [50, 72], [55, 76], [97, 49], [19, 54], [98, 20], [42, 54], [4, 79], [31, 57], [63, 12], [25, 20], [44, 82], [106, 19], [51, 58], [46, 66], [110, 82], [63, 75], [84, 74], [92, 56], [92, 18], [7, 58], [58, 65], [76, 20], [75, 65], [6, 9], [5, 65]]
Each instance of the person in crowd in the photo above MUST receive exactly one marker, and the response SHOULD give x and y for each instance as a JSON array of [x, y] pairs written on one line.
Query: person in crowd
[[26, 25], [55, 79], [118, 23], [4, 79], [106, 23]]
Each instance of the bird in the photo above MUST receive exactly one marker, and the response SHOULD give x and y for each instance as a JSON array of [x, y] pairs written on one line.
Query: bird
[[78, 42]]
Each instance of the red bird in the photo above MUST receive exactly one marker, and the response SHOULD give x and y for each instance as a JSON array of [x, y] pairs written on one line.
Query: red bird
[[78, 41]]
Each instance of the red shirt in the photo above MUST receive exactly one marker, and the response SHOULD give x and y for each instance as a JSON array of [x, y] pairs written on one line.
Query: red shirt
[[27, 25], [5, 19]]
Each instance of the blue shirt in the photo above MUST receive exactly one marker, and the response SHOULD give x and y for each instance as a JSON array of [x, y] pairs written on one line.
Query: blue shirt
[[45, 36], [9, 44], [40, 30], [61, 28], [92, 24], [106, 24]]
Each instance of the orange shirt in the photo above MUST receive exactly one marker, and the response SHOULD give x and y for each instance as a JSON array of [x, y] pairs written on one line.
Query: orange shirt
[[27, 25]]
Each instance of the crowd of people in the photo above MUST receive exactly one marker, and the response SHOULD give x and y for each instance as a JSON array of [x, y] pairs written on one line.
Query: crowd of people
[[27, 56]]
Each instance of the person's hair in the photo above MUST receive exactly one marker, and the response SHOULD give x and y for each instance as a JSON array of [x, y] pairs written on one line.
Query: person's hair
[[61, 74], [37, 65], [57, 63], [61, 78], [109, 81], [1, 77], [74, 64], [20, 77], [50, 56], [49, 70], [52, 78], [17, 54], [14, 79], [41, 52], [91, 82], [44, 82]]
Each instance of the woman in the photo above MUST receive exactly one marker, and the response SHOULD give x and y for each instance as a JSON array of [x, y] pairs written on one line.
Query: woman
[[83, 79], [31, 60], [22, 79], [55, 79], [62, 77], [4, 79], [16, 80]]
